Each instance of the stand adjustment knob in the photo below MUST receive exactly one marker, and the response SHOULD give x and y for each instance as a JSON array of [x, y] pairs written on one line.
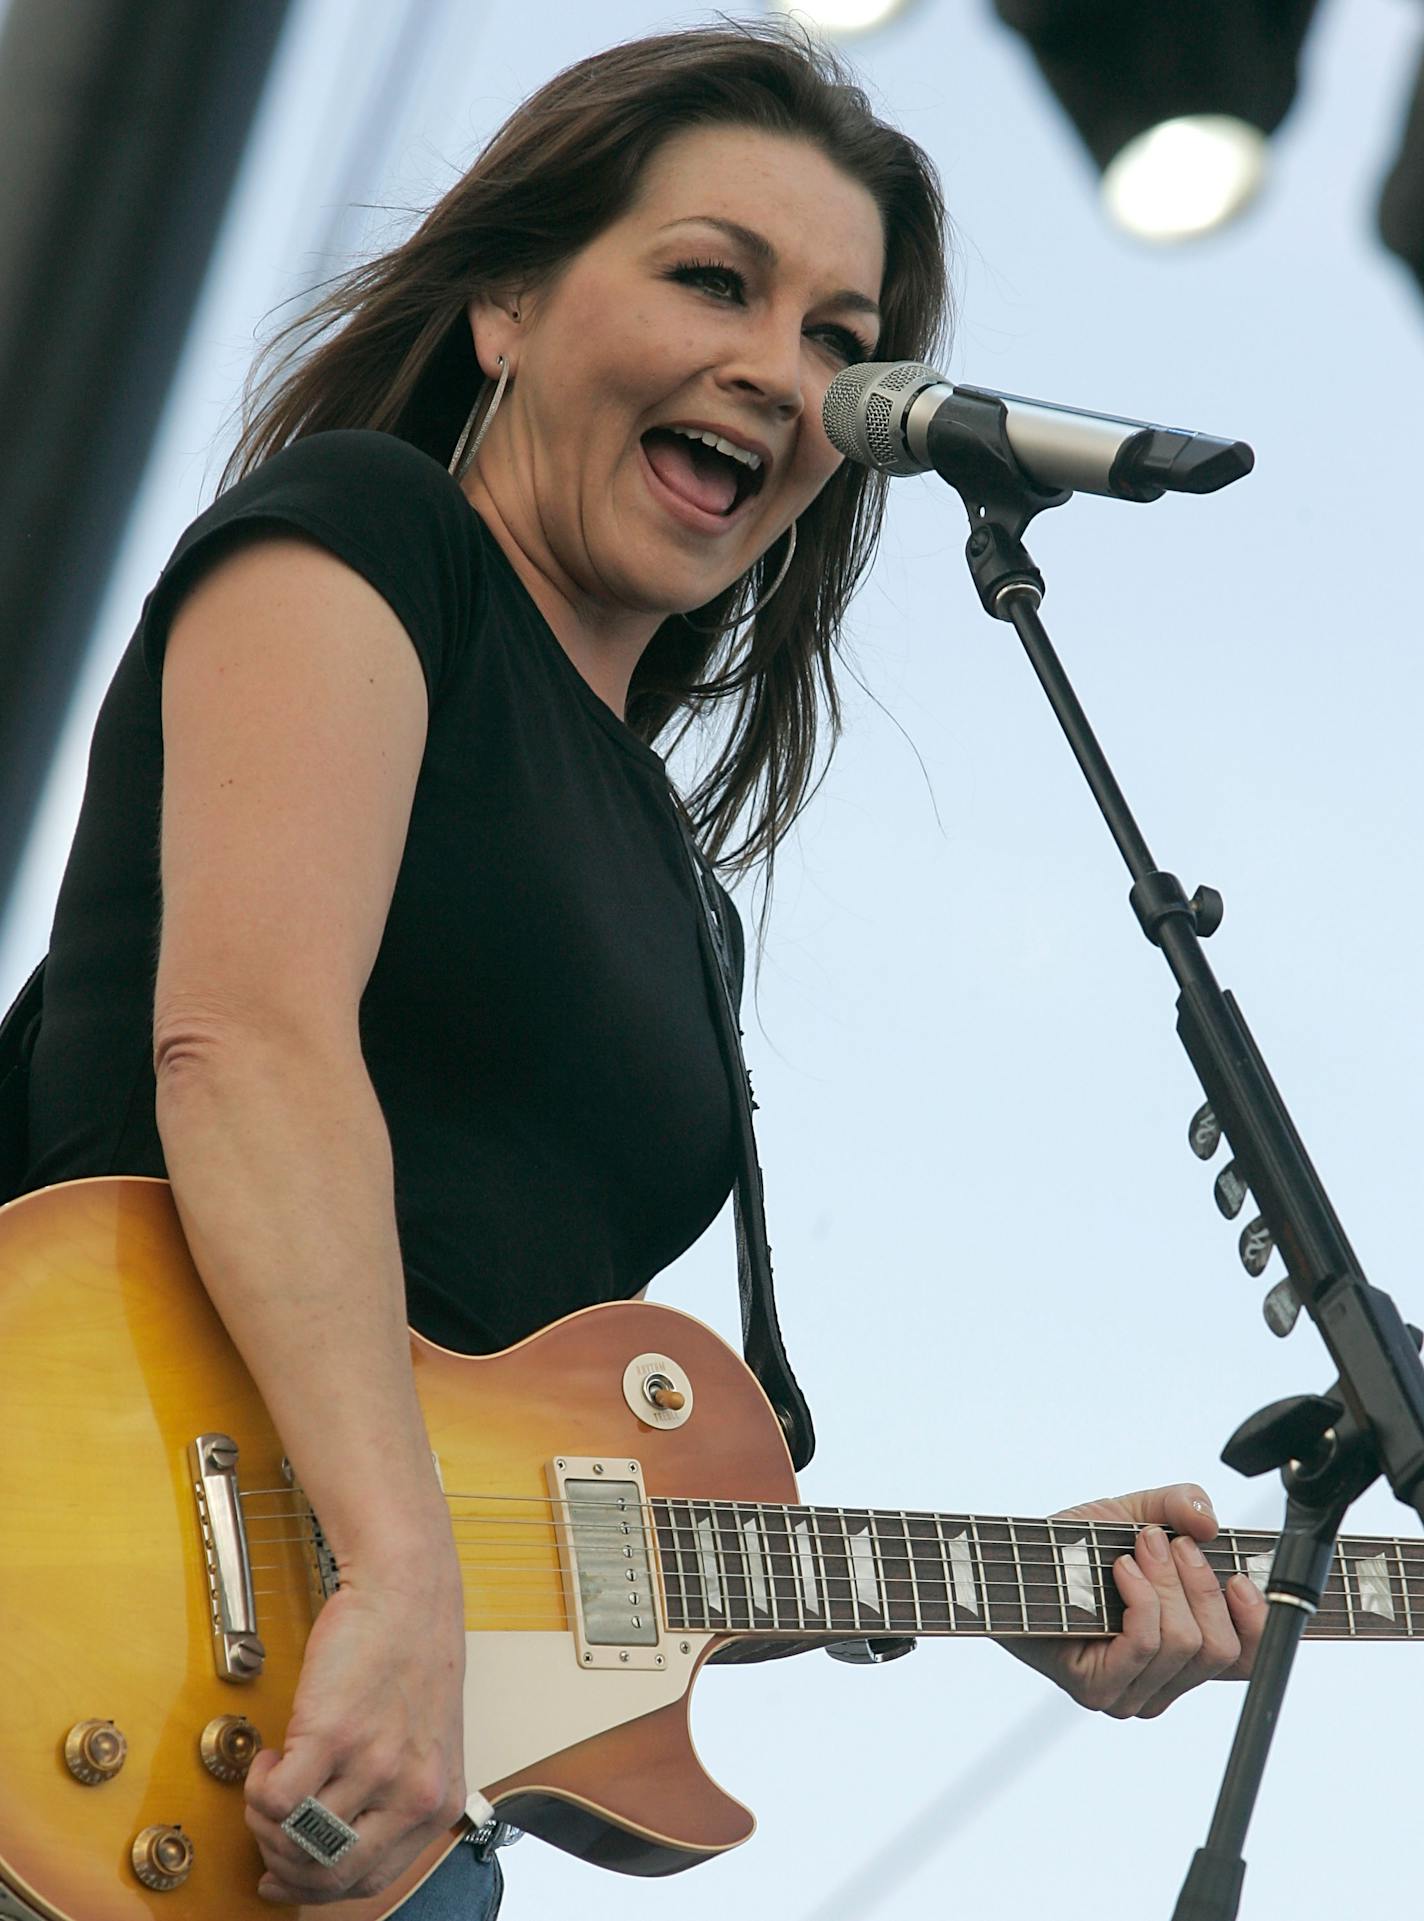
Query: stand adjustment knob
[[1208, 908], [1256, 1245], [1204, 1132], [1281, 1308]]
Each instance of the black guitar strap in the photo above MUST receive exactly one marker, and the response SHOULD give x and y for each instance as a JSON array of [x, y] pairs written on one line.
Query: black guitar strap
[[17, 1039], [761, 1332]]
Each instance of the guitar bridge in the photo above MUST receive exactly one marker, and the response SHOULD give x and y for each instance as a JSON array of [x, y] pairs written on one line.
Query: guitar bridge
[[237, 1650], [602, 1524]]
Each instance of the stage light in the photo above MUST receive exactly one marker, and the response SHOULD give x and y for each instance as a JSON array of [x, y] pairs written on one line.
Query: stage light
[[1185, 176], [842, 19], [1174, 100]]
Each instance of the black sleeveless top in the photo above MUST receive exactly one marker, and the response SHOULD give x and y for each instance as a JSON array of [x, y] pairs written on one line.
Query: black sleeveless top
[[537, 1024]]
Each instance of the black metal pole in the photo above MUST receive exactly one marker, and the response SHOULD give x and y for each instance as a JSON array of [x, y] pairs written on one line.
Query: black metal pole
[[1330, 1448], [122, 123]]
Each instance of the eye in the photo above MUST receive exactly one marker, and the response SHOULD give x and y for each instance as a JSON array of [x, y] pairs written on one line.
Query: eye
[[851, 348], [705, 270]]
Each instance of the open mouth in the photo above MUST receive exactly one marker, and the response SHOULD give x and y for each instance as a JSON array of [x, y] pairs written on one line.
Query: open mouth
[[706, 478]]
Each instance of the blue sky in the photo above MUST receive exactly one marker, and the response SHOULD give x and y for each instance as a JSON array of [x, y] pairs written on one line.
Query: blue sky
[[1002, 1278]]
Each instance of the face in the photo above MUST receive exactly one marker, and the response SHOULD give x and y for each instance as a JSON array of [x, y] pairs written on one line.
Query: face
[[668, 319]]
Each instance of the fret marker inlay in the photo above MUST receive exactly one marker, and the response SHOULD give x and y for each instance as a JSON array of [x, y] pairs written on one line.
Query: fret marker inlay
[[961, 1574], [756, 1567], [806, 1559], [1078, 1576], [1372, 1577], [707, 1562], [1258, 1567], [862, 1560]]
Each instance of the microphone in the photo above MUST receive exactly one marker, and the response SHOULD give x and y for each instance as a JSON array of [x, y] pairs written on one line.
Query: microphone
[[905, 418]]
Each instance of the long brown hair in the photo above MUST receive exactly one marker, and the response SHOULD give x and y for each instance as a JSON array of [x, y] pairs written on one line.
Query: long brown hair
[[388, 346]]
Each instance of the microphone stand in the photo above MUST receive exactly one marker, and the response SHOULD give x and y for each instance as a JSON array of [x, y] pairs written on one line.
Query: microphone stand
[[1329, 1447]]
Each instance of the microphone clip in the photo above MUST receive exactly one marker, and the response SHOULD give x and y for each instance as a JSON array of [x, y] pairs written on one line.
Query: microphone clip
[[968, 443]]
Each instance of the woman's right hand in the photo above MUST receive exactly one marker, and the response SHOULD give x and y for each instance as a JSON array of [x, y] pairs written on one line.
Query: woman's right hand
[[376, 1732]]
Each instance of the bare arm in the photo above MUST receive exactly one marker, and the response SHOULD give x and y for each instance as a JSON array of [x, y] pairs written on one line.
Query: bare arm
[[294, 721]]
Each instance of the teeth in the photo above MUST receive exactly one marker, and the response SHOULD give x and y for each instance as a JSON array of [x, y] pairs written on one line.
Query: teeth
[[723, 446]]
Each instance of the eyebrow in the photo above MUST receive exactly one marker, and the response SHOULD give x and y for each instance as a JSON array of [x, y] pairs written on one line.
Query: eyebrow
[[762, 251]]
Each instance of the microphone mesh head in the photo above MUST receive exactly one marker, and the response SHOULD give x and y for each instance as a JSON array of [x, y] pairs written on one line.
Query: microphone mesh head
[[863, 405]]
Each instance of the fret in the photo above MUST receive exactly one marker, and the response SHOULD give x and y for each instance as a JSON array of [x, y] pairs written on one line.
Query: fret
[[733, 1565], [1338, 1562], [1042, 1598], [1060, 1580], [854, 1570], [704, 1548], [665, 1533], [1111, 1540], [1335, 1612], [758, 1568], [866, 1584], [966, 1580], [807, 1573], [882, 1579], [1257, 1553], [696, 1600], [1002, 1587], [836, 1576], [674, 1600], [1077, 1568], [1404, 1588], [1079, 1593], [934, 1608], [785, 1594], [897, 1580], [1374, 1606]]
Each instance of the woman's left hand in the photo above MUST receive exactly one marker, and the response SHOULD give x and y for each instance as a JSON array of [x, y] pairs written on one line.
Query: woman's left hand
[[1180, 1626]]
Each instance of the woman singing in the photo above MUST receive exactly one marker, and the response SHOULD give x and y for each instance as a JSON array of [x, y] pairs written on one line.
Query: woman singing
[[377, 783]]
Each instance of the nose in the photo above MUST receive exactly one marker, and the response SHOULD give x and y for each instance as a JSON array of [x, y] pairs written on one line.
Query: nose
[[770, 365]]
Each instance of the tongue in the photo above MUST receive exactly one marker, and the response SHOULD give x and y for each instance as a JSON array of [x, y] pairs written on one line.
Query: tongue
[[697, 472]]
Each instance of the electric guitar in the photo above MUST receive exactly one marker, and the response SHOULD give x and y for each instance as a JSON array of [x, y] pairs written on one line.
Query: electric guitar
[[624, 1508]]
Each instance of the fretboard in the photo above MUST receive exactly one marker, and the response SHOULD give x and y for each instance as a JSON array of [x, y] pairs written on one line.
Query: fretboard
[[813, 1572]]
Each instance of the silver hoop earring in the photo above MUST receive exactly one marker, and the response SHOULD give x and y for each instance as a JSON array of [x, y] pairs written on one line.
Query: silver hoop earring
[[460, 460], [756, 606]]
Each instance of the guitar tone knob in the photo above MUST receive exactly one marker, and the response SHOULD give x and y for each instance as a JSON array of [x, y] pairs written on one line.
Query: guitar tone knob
[[228, 1746], [94, 1751], [162, 1858]]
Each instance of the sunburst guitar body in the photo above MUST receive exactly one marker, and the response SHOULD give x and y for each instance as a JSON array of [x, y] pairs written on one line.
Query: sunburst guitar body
[[624, 1509]]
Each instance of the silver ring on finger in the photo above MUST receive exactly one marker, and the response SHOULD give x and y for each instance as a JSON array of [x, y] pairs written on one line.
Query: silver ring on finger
[[322, 1834]]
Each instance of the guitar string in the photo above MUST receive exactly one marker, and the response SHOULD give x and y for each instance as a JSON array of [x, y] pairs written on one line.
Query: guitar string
[[825, 1550], [833, 1562], [1046, 1593], [884, 1516], [1087, 1533], [555, 1620]]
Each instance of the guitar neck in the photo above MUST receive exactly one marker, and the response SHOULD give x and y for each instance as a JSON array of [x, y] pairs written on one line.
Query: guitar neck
[[824, 1573]]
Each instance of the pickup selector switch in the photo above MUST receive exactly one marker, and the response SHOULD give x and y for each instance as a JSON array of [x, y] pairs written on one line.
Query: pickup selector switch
[[94, 1751]]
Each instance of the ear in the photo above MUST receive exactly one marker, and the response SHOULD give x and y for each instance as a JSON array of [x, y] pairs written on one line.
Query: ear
[[496, 327]]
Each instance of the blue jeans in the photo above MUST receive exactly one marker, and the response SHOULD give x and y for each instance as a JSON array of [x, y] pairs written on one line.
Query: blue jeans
[[465, 1887]]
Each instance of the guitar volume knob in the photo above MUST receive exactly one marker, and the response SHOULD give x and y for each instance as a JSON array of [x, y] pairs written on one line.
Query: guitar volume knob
[[94, 1751], [162, 1858], [228, 1746]]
